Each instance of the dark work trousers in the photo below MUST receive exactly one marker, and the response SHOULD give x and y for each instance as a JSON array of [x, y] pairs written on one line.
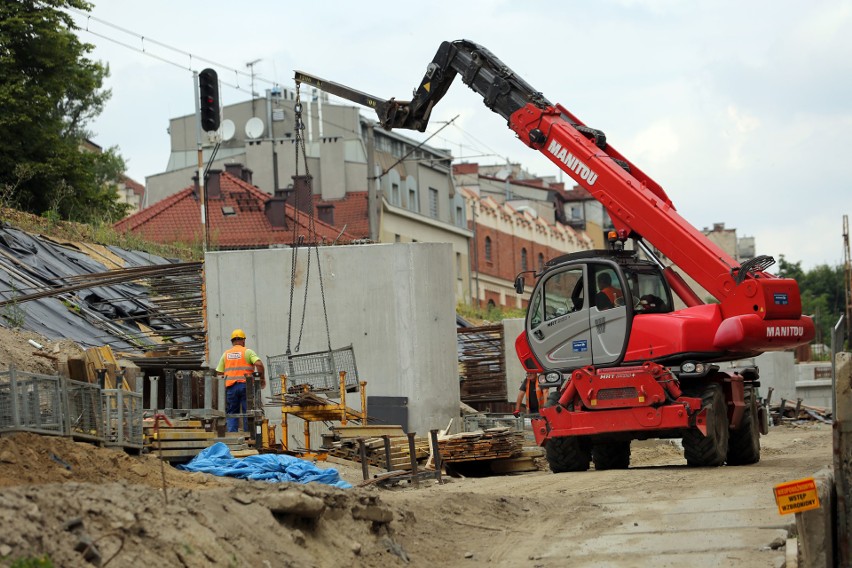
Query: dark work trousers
[[235, 403]]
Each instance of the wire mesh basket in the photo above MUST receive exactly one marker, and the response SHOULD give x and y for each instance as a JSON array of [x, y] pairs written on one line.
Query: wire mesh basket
[[31, 402], [85, 409], [318, 372], [122, 418], [484, 421]]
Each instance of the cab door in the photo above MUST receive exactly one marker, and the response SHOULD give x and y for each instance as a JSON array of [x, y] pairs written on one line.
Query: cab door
[[609, 314], [558, 327]]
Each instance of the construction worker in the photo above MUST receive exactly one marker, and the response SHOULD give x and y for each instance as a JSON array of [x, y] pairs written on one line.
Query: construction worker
[[533, 394], [235, 364]]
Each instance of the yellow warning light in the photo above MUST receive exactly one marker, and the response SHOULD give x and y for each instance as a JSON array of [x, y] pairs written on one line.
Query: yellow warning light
[[612, 236]]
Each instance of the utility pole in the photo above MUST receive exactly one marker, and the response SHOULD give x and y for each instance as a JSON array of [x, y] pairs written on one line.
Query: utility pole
[[847, 276], [372, 194]]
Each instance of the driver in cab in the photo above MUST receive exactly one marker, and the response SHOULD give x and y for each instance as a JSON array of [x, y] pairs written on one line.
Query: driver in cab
[[608, 296]]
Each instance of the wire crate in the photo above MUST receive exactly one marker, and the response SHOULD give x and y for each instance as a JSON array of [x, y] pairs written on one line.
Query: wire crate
[[85, 410], [484, 421], [319, 371], [122, 418], [31, 402]]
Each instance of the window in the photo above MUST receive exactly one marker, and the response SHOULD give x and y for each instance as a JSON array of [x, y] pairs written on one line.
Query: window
[[563, 293], [396, 239], [326, 213], [460, 222], [458, 266], [395, 193], [413, 202], [488, 249], [523, 259], [433, 202], [540, 262]]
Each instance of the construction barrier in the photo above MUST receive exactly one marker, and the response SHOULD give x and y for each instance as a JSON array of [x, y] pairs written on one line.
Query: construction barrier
[[84, 411], [32, 403], [122, 418]]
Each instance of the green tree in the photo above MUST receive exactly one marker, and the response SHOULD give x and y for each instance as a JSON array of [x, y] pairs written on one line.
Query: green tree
[[822, 293], [49, 91]]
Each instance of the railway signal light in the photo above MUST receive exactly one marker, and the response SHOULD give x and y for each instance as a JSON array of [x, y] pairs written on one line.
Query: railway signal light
[[208, 91]]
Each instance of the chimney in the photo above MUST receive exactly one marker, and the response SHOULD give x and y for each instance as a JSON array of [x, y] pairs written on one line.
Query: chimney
[[213, 185], [276, 211], [239, 171], [302, 196]]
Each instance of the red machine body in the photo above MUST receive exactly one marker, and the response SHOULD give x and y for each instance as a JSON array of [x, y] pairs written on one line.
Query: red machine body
[[629, 372]]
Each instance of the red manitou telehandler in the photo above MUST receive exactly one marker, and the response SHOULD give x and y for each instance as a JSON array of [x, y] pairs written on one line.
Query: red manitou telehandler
[[602, 332]]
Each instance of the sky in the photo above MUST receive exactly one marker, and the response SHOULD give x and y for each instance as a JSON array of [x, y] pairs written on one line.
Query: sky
[[741, 111]]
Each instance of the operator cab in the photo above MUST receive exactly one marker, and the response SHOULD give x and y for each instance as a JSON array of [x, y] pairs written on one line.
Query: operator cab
[[582, 307]]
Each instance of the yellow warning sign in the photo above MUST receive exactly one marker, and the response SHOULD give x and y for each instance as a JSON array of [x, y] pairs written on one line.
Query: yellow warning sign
[[796, 496], [427, 86]]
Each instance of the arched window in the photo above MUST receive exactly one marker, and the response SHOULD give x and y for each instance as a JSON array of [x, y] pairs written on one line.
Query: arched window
[[488, 249], [540, 262], [523, 259]]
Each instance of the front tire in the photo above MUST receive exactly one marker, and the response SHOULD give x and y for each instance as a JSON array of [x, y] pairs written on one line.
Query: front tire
[[710, 450], [567, 454], [744, 444]]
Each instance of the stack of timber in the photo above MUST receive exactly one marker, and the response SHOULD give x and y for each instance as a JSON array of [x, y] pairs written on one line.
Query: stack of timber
[[181, 441], [85, 368], [491, 444], [400, 456]]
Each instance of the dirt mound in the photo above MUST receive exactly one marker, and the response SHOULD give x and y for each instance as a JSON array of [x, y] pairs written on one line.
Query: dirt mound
[[16, 349]]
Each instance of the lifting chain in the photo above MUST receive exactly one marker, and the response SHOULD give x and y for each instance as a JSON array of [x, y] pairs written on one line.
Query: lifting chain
[[299, 240]]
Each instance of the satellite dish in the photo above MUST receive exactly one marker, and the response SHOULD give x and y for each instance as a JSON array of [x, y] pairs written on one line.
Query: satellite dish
[[254, 128], [228, 129]]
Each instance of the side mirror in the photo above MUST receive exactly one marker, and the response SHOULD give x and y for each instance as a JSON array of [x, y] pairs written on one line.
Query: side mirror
[[519, 284]]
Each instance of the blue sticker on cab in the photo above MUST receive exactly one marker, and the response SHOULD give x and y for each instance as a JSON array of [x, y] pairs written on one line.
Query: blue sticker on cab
[[780, 299], [580, 345]]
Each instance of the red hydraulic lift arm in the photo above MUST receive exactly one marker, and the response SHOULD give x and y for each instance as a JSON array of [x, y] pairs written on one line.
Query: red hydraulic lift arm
[[638, 206]]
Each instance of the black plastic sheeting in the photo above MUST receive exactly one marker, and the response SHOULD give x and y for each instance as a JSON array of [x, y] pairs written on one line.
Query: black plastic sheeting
[[48, 264]]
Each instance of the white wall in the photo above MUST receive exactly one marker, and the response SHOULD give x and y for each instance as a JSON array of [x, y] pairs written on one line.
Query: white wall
[[393, 302]]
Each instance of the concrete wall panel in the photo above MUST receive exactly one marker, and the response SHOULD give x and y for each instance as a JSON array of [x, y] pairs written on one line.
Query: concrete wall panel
[[394, 303]]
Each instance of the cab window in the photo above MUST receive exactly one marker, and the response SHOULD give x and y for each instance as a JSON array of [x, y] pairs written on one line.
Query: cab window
[[563, 293]]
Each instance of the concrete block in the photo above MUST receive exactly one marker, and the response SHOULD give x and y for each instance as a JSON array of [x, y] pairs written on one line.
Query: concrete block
[[816, 527]]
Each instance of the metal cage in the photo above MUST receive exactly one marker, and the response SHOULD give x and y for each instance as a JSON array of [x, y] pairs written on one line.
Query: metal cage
[[319, 371], [122, 418], [85, 410], [31, 402]]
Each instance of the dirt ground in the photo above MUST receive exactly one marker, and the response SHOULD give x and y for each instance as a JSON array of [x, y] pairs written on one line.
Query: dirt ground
[[70, 500]]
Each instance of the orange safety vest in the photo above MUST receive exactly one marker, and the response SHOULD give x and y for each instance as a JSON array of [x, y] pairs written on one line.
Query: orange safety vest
[[612, 293], [236, 365]]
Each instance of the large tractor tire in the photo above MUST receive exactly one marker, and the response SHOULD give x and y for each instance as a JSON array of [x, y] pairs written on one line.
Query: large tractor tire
[[710, 450], [567, 454], [744, 444], [614, 455]]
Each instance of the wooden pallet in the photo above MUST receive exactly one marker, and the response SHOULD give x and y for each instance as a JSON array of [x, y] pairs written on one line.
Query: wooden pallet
[[400, 454]]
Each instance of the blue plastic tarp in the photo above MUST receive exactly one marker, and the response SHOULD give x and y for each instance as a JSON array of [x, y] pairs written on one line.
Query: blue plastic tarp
[[217, 459]]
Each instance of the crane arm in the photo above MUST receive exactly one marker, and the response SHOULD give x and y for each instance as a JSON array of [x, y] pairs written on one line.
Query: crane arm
[[637, 205]]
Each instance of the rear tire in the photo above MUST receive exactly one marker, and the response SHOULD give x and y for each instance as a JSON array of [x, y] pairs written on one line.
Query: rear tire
[[614, 455], [567, 454], [710, 450], [744, 444]]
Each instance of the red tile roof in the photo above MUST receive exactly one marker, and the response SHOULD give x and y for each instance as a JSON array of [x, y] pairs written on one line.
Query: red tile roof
[[134, 185], [351, 212], [178, 219]]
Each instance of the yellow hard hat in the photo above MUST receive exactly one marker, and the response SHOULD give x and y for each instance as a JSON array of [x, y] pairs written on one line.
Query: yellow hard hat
[[238, 334]]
